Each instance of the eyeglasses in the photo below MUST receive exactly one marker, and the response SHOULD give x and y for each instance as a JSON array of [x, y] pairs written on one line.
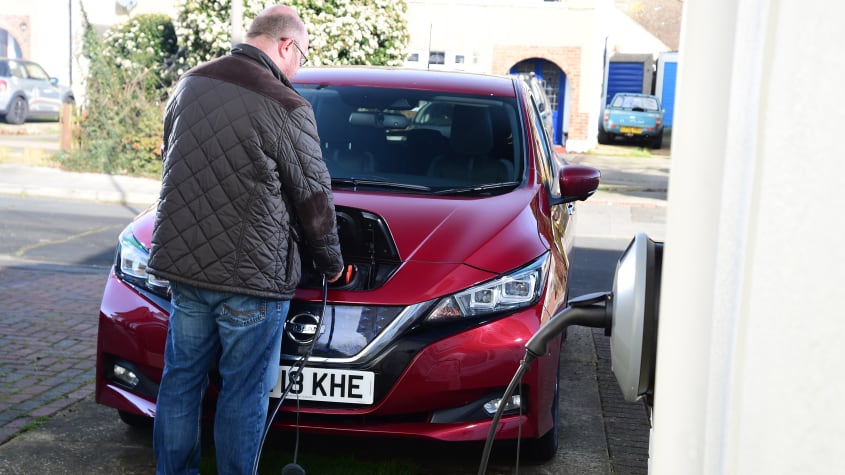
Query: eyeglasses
[[304, 59]]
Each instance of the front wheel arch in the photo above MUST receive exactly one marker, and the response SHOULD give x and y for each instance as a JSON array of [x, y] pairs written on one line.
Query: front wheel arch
[[545, 447]]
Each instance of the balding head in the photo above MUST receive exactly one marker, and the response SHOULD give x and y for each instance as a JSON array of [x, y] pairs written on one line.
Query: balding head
[[273, 31], [278, 21]]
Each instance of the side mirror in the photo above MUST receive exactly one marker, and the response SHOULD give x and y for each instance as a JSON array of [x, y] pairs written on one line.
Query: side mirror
[[577, 183]]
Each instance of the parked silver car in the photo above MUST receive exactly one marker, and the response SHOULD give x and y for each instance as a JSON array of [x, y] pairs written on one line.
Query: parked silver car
[[28, 92]]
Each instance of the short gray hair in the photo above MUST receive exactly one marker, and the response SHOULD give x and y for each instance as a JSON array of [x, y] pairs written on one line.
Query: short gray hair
[[279, 25]]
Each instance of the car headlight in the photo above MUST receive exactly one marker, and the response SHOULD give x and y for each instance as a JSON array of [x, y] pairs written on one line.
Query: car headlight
[[517, 289], [132, 264]]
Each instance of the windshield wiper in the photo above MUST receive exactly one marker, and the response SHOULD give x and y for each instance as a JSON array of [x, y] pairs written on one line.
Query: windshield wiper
[[477, 188], [356, 182]]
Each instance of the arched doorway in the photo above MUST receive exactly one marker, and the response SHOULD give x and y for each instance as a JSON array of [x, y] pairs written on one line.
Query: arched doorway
[[556, 86]]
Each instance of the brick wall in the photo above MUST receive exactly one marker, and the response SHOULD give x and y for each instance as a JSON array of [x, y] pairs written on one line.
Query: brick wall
[[567, 58], [18, 27]]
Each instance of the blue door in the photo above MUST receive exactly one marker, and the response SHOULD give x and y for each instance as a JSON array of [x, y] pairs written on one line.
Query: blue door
[[667, 93], [554, 82]]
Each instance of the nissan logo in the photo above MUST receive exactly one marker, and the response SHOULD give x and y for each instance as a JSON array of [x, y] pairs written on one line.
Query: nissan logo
[[302, 327]]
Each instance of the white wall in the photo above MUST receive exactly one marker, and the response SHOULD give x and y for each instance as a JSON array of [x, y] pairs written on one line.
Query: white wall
[[54, 46], [750, 352], [476, 26]]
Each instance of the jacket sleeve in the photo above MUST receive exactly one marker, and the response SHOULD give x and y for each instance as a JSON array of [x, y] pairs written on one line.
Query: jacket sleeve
[[306, 182]]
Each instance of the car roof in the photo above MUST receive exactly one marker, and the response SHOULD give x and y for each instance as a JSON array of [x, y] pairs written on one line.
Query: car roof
[[407, 78], [20, 60]]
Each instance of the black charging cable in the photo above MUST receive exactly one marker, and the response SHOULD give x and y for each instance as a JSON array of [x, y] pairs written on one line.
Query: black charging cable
[[592, 310], [295, 375]]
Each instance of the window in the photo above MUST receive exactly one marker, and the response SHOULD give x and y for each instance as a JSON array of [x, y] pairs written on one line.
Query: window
[[36, 72]]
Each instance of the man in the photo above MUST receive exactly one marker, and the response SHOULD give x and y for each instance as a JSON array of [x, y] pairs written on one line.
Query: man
[[243, 185]]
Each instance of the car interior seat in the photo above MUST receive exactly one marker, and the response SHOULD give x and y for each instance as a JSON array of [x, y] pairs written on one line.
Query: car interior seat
[[422, 148], [332, 116], [365, 145], [503, 146], [470, 143]]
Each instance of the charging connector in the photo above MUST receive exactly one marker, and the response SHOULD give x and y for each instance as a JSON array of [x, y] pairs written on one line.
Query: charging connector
[[591, 310]]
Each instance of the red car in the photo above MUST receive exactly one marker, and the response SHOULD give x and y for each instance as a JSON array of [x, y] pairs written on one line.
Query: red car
[[457, 251]]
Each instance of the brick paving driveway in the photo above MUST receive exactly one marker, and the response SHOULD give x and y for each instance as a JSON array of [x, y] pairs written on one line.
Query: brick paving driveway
[[48, 336]]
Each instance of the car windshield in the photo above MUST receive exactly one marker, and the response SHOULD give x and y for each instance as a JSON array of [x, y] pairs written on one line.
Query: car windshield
[[412, 141]]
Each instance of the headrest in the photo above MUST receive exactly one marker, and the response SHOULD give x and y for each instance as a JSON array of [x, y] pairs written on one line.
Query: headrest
[[472, 131]]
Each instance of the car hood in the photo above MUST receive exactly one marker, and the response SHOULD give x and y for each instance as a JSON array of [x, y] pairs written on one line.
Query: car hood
[[491, 233], [444, 243]]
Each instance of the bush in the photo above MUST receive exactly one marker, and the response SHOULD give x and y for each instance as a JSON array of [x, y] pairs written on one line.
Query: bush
[[132, 68], [143, 47], [360, 32], [121, 127]]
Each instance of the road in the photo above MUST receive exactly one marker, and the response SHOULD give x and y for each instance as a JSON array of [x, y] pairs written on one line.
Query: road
[[54, 256], [61, 232]]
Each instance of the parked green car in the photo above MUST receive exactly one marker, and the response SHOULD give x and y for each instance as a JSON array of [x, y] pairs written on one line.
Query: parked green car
[[633, 116]]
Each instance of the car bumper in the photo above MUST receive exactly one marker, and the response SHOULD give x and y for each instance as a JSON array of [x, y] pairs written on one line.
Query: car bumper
[[438, 395], [633, 131]]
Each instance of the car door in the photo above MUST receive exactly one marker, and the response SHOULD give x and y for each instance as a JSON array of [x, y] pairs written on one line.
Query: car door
[[44, 96], [549, 164]]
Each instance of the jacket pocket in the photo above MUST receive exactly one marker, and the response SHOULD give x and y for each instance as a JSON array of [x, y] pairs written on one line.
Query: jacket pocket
[[292, 263]]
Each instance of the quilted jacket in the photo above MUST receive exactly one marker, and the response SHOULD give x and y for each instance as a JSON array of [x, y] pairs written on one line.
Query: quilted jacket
[[243, 182]]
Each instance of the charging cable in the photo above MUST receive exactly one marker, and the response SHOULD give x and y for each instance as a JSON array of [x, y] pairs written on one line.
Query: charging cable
[[295, 375], [592, 310]]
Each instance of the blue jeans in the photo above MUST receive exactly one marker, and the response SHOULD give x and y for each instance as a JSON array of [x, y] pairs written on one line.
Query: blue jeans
[[245, 332]]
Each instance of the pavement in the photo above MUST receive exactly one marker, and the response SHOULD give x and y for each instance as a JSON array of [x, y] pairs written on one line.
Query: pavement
[[58, 411]]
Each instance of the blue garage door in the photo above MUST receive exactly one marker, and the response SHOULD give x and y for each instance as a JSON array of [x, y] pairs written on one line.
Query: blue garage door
[[667, 94], [623, 77]]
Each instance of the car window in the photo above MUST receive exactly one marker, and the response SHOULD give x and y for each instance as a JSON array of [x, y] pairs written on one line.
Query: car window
[[16, 70], [650, 104], [412, 141], [636, 102], [34, 71]]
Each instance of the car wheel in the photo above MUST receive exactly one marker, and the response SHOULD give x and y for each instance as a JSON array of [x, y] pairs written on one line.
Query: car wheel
[[135, 420], [17, 111], [604, 137], [657, 142], [544, 448]]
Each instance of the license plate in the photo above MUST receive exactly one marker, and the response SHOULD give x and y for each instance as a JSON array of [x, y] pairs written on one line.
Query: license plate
[[327, 385], [631, 130]]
